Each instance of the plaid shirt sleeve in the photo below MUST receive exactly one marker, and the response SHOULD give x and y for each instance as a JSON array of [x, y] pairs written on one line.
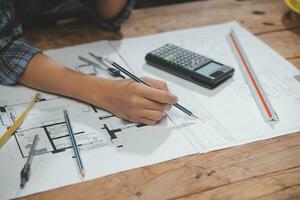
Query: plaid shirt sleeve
[[112, 25], [15, 51]]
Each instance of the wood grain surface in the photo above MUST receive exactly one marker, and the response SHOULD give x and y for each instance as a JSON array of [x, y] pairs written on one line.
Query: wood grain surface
[[268, 169]]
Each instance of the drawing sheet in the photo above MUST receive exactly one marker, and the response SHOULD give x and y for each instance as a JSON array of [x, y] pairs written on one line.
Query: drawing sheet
[[228, 115], [107, 143]]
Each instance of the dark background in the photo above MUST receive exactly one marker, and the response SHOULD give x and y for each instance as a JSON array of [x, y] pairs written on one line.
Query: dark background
[[152, 3]]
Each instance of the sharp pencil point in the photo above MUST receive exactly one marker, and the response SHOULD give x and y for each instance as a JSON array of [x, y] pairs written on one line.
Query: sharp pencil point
[[82, 172], [193, 115], [23, 181]]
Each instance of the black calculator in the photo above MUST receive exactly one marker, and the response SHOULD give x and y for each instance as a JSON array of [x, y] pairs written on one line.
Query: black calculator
[[189, 65]]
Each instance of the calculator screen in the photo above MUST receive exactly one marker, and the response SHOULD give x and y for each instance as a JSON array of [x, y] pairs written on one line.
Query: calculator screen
[[209, 68]]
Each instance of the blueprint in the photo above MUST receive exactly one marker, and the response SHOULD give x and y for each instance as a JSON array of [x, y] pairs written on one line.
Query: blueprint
[[228, 115], [109, 145]]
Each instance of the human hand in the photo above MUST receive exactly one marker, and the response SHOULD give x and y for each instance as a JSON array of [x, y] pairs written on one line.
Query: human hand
[[136, 102], [126, 99]]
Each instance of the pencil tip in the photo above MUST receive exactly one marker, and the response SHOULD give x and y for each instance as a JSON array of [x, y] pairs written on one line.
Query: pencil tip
[[22, 183], [82, 172], [194, 116]]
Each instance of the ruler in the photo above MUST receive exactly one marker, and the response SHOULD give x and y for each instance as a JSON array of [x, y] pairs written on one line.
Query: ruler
[[19, 121], [252, 81]]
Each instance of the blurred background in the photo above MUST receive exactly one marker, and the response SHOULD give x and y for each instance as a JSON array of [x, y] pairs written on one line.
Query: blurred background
[[152, 3]]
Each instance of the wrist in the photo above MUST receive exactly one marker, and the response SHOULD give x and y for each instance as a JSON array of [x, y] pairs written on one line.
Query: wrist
[[98, 91]]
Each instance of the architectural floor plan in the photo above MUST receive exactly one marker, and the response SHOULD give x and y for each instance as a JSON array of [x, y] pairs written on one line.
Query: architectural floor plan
[[109, 145]]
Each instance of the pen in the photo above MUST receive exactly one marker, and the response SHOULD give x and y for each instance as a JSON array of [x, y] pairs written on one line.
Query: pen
[[74, 144], [25, 173], [135, 78]]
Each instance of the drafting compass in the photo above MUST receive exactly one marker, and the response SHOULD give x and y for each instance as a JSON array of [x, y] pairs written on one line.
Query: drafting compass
[[113, 72]]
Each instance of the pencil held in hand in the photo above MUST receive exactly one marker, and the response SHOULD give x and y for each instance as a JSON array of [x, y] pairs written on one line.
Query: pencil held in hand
[[135, 78]]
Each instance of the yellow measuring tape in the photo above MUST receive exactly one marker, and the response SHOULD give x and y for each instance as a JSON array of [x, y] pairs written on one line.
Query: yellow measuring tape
[[19, 121]]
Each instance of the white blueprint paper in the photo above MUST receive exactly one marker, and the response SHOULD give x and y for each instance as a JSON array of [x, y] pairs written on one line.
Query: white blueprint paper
[[107, 143], [228, 115]]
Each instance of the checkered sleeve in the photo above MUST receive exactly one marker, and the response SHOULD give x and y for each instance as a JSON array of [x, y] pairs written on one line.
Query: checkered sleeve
[[112, 25], [15, 51]]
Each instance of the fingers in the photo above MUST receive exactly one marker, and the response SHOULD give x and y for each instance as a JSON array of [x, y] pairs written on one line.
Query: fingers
[[143, 104], [150, 116], [158, 95], [156, 83], [147, 121], [153, 105]]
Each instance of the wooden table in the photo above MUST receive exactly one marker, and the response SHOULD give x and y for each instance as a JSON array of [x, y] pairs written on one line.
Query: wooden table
[[268, 169]]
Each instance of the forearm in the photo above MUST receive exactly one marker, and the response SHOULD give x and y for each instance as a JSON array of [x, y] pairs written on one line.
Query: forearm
[[125, 98], [109, 9], [48, 75]]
